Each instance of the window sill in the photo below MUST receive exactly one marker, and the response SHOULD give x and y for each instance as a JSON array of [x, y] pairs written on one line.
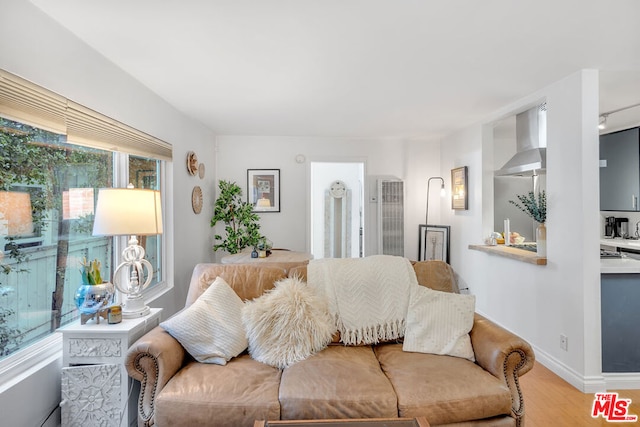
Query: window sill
[[24, 362], [157, 291], [512, 253]]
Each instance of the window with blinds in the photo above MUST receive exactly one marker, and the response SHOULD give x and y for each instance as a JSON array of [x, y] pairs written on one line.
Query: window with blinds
[[55, 155]]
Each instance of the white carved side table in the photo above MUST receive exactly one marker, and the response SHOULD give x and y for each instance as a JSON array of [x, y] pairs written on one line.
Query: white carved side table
[[96, 390]]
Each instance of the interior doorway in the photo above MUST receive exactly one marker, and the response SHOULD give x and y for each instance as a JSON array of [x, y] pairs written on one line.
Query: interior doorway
[[337, 209]]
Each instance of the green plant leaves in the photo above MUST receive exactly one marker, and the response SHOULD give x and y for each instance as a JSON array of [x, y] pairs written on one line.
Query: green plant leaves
[[532, 205], [242, 226], [90, 272]]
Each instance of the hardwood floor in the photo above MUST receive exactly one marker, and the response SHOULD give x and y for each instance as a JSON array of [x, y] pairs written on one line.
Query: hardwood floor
[[551, 401]]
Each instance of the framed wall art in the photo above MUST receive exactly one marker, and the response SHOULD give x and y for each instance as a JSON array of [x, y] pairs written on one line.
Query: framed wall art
[[434, 242], [263, 189], [459, 194]]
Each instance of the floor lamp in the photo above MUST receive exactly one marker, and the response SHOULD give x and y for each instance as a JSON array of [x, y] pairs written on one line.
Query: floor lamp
[[426, 219], [130, 212], [442, 193]]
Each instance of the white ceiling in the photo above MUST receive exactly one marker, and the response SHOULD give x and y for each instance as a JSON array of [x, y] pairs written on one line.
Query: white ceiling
[[359, 68]]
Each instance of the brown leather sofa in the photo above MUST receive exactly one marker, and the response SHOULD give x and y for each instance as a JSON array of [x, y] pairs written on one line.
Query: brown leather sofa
[[339, 382]]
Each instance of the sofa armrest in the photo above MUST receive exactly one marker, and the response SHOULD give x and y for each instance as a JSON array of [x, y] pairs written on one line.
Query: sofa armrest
[[503, 354], [153, 360]]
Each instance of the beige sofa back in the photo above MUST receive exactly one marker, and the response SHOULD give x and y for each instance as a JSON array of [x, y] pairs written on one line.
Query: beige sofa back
[[434, 274], [249, 281]]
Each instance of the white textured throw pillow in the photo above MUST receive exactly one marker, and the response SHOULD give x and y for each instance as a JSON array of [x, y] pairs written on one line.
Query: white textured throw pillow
[[211, 328], [439, 323], [287, 324]]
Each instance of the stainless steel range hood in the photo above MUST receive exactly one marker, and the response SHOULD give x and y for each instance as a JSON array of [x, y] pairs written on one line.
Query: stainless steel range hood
[[531, 144]]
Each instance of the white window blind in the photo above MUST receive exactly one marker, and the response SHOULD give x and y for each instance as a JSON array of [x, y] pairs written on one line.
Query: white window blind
[[26, 102], [87, 127]]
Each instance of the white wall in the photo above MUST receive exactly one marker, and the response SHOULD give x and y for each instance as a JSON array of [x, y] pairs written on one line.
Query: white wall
[[541, 302], [422, 161], [38, 49], [408, 160]]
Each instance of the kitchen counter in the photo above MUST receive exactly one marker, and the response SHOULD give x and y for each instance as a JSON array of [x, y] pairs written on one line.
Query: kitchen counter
[[621, 243], [607, 265], [620, 308], [619, 265], [513, 253]]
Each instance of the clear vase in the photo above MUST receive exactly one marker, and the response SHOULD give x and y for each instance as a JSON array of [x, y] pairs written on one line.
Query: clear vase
[[541, 240], [91, 298]]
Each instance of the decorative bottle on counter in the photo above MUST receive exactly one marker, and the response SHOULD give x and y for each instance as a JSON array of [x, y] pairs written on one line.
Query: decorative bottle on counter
[[541, 240], [507, 232]]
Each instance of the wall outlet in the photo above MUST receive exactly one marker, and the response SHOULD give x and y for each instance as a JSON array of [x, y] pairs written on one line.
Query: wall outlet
[[564, 342]]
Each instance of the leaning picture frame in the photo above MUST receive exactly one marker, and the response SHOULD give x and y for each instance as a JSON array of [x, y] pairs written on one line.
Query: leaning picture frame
[[263, 189], [433, 242]]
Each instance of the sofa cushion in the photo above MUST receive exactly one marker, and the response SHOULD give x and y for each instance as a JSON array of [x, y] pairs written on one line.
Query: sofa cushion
[[287, 324], [444, 389], [338, 382], [439, 323], [211, 328], [437, 275], [236, 394]]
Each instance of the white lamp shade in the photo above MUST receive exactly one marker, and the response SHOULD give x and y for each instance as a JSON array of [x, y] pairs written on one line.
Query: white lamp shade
[[128, 212], [15, 214]]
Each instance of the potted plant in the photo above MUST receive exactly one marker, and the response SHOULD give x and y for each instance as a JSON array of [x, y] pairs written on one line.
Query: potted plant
[[90, 272], [93, 294], [535, 206], [242, 228]]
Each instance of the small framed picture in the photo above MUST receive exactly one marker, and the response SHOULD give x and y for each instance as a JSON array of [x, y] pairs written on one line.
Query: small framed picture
[[459, 194], [263, 189], [434, 242]]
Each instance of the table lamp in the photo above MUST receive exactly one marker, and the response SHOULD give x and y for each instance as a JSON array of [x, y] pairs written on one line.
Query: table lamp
[[130, 212]]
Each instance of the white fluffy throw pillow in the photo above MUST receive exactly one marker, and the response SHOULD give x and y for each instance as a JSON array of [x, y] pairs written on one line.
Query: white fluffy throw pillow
[[211, 328], [287, 324], [439, 323]]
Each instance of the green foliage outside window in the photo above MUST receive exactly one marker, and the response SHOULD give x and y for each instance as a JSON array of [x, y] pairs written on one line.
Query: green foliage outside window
[[44, 165]]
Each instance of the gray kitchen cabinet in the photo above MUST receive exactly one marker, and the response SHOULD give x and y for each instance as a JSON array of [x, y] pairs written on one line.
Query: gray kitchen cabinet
[[620, 171], [620, 316]]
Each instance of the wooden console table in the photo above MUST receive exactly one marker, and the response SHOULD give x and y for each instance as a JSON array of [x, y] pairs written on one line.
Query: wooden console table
[[364, 422], [279, 258]]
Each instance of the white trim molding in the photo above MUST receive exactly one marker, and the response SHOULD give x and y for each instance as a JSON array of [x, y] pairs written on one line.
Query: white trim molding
[[622, 381], [25, 362], [586, 384]]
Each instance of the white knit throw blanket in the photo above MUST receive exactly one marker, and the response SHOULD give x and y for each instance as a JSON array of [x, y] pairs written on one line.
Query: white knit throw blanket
[[368, 297]]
